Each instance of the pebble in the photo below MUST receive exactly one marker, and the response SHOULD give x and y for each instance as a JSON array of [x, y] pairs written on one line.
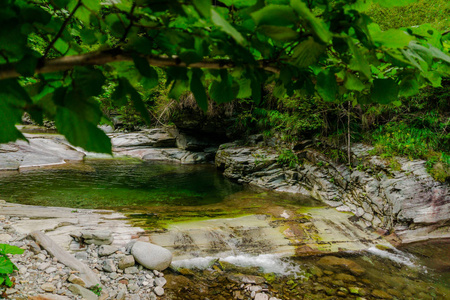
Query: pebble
[[159, 291], [48, 287]]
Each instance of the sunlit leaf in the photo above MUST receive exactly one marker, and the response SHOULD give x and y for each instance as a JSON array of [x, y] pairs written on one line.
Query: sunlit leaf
[[318, 26], [219, 21]]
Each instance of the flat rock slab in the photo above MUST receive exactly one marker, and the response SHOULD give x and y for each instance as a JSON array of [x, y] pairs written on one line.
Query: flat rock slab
[[40, 150], [59, 222], [319, 230]]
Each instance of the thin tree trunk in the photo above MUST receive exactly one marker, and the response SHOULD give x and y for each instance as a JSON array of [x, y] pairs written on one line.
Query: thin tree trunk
[[349, 153]]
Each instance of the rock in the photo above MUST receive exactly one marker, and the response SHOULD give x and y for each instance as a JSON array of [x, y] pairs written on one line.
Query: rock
[[109, 266], [151, 256], [106, 250], [5, 238], [126, 262], [335, 263], [381, 294], [241, 278], [85, 293], [345, 277], [48, 287], [160, 281], [159, 291], [131, 270], [261, 296], [76, 280], [48, 297], [97, 237], [36, 152], [156, 137]]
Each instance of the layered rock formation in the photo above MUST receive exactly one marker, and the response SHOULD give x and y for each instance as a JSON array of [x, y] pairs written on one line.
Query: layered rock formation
[[408, 201]]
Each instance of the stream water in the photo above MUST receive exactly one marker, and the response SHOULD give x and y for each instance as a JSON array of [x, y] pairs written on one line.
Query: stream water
[[179, 201]]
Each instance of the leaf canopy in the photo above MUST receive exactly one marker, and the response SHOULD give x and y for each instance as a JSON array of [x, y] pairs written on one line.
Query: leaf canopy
[[57, 56]]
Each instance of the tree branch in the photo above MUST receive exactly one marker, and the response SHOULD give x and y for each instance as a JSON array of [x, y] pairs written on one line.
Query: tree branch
[[58, 35], [109, 56]]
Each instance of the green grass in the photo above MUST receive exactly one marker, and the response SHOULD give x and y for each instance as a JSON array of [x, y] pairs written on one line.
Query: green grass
[[423, 137]]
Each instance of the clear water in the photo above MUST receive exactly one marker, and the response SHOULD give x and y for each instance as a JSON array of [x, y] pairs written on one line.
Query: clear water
[[117, 184]]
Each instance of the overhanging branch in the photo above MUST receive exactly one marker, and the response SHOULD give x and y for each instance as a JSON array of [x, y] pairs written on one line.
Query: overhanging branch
[[105, 57]]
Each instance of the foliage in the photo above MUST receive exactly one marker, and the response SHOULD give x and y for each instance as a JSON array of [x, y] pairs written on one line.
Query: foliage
[[7, 267], [288, 158], [65, 52], [434, 12], [97, 289], [425, 137]]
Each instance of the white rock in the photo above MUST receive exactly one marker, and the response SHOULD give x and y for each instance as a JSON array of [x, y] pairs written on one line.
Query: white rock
[[160, 281], [261, 296], [48, 287], [151, 256], [106, 250], [159, 291]]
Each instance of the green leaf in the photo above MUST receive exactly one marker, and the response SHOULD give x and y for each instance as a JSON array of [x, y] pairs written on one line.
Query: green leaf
[[359, 62], [279, 33], [33, 14], [245, 88], [275, 15], [27, 65], [60, 3], [223, 24], [190, 57], [10, 249], [88, 36], [198, 89], [145, 70], [353, 83], [326, 85], [239, 3], [61, 46], [391, 38], [307, 53], [92, 4], [80, 132], [13, 100], [439, 54], [256, 86], [222, 91], [6, 267], [408, 87], [203, 7], [318, 26], [89, 80], [384, 91], [84, 15]]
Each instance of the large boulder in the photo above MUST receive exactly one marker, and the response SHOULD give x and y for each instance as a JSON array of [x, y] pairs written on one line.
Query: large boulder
[[156, 137], [151, 256]]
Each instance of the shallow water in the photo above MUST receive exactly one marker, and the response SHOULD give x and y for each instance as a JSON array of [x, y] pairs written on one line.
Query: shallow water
[[155, 195], [117, 183]]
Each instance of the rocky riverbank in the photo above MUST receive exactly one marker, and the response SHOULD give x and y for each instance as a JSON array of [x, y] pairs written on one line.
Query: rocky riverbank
[[406, 200], [102, 265]]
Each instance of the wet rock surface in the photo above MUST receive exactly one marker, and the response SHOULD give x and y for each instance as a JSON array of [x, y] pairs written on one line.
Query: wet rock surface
[[408, 200]]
